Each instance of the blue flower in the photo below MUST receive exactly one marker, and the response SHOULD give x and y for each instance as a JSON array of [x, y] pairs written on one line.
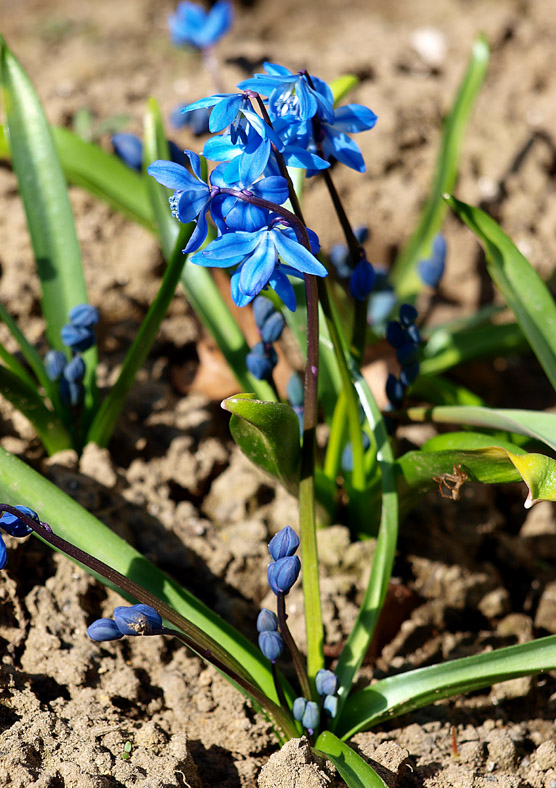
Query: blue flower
[[271, 644], [257, 256], [262, 310], [432, 269], [283, 573], [290, 95], [129, 148], [335, 141], [197, 120], [78, 338], [192, 25], [54, 363], [137, 620], [233, 213], [326, 682], [84, 315], [330, 705], [298, 708], [13, 526], [311, 717], [227, 110], [283, 544]]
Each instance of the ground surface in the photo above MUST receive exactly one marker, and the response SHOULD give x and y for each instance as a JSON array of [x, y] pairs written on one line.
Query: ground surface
[[481, 574]]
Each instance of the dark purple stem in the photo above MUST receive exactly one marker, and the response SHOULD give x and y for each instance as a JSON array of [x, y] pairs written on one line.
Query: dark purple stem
[[292, 647]]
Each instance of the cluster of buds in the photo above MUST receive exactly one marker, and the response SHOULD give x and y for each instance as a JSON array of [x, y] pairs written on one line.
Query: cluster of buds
[[78, 335], [135, 620], [404, 336], [263, 358], [362, 275], [270, 640], [284, 569], [307, 712]]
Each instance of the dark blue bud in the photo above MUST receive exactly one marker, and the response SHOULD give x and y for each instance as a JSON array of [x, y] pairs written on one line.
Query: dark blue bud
[[347, 454], [282, 574], [13, 526], [104, 629], [431, 271], [196, 119], [326, 682], [259, 365], [413, 334], [54, 363], [339, 257], [78, 338], [137, 620], [409, 374], [362, 280], [74, 371], [271, 644], [71, 393], [381, 305], [298, 708], [284, 543], [361, 233], [330, 705], [311, 716], [408, 314], [395, 390], [3, 554], [295, 391], [262, 310], [272, 328], [84, 315], [267, 621], [407, 354], [129, 148], [395, 334]]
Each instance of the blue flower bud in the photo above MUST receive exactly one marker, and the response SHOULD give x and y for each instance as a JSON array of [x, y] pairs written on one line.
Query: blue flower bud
[[271, 644], [262, 310], [260, 366], [409, 374], [129, 148], [432, 269], [362, 280], [407, 354], [54, 363], [272, 328], [282, 574], [395, 334], [3, 554], [137, 620], [79, 338], [74, 372], [71, 393], [311, 716], [330, 705], [408, 314], [267, 621], [13, 526], [104, 629], [84, 315], [413, 334], [298, 708], [284, 543], [339, 257], [395, 390], [361, 233], [326, 682], [295, 391]]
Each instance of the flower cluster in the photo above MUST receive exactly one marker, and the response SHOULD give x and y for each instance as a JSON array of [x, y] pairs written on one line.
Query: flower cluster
[[135, 620], [270, 640], [404, 336], [431, 270], [297, 127], [13, 526], [262, 359], [307, 712], [78, 335], [284, 569]]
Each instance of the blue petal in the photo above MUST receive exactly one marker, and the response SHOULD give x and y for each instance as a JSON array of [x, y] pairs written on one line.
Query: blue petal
[[239, 298], [354, 118], [277, 70], [257, 269], [199, 233], [283, 288], [3, 554], [251, 165], [232, 245], [344, 149], [172, 175], [296, 255], [219, 21], [190, 204], [297, 157], [195, 162], [274, 188], [225, 111], [220, 148]]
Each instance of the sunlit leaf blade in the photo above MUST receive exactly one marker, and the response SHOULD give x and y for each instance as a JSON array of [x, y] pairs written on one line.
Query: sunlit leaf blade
[[20, 484], [28, 401], [404, 272], [341, 86], [355, 772], [539, 474], [534, 424], [522, 288], [407, 691], [45, 198], [267, 433]]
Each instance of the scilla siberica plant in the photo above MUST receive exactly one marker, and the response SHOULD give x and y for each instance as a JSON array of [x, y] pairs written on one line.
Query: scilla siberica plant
[[246, 216]]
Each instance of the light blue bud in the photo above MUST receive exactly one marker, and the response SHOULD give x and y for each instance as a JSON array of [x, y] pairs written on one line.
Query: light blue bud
[[271, 644], [311, 716], [267, 621], [104, 629], [298, 708], [326, 682], [330, 705]]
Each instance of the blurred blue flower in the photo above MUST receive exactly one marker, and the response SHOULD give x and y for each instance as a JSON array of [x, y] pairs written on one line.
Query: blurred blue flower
[[261, 360], [197, 120], [78, 338], [330, 705], [192, 25], [129, 148], [362, 280], [84, 315], [431, 270], [326, 682], [54, 363], [298, 708]]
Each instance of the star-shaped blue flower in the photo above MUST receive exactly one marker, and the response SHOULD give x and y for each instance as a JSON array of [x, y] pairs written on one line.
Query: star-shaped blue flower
[[194, 26]]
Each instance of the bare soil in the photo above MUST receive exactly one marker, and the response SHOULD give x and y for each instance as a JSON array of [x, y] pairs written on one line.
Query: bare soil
[[478, 573]]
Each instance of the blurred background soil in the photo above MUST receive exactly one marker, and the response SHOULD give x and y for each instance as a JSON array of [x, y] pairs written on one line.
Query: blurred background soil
[[478, 573]]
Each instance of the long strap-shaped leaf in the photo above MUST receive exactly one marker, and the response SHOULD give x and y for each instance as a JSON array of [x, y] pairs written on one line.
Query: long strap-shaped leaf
[[45, 197], [522, 288], [400, 694], [404, 272], [29, 352], [26, 399], [354, 771]]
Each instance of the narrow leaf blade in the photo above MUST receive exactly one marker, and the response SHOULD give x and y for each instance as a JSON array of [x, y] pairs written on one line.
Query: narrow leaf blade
[[355, 772]]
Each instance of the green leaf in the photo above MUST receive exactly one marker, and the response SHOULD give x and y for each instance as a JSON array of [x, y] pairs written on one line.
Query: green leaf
[[534, 424], [50, 429], [397, 695], [522, 288], [45, 198], [19, 484], [355, 772], [343, 85], [29, 353], [267, 433], [404, 272]]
